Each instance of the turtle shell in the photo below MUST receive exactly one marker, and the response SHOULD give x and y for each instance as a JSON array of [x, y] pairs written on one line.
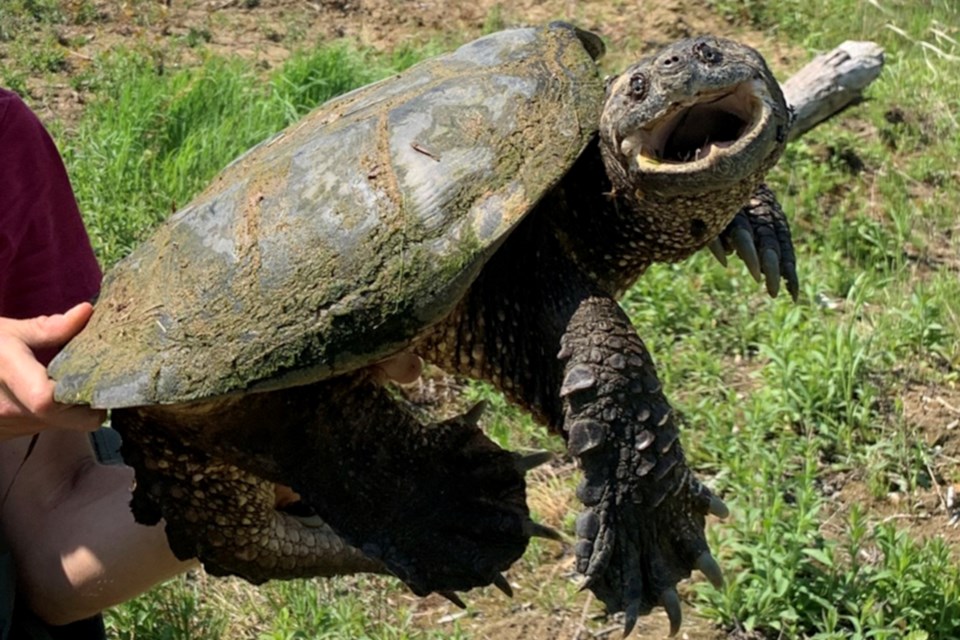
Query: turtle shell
[[336, 242]]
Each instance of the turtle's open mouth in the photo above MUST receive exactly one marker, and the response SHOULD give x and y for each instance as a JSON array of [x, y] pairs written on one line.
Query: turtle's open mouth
[[695, 133]]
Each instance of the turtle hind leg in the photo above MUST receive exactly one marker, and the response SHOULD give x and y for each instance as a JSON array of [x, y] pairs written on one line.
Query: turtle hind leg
[[440, 504], [223, 515]]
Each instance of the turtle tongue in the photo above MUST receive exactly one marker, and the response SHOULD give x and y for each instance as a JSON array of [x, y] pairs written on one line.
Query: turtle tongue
[[709, 146]]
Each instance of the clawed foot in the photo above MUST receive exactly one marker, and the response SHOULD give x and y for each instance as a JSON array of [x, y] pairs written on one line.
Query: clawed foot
[[633, 556], [440, 506], [642, 531], [444, 507], [760, 235]]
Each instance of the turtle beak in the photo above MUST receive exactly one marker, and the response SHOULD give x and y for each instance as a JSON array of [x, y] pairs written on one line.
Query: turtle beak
[[692, 136]]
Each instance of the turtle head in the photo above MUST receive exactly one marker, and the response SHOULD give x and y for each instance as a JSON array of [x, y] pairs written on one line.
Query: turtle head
[[698, 122]]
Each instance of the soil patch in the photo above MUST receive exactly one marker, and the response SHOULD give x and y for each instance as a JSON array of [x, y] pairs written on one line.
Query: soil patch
[[267, 31], [931, 414]]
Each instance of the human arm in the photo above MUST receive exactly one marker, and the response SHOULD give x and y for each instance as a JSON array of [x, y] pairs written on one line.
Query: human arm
[[66, 517], [68, 521]]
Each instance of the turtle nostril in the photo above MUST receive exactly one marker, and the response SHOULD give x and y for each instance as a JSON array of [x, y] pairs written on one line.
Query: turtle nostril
[[707, 53], [670, 62]]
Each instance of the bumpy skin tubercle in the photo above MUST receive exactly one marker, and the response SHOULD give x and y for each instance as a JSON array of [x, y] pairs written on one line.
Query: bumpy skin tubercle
[[223, 514]]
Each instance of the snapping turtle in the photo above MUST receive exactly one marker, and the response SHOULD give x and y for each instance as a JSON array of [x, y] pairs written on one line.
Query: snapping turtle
[[468, 211]]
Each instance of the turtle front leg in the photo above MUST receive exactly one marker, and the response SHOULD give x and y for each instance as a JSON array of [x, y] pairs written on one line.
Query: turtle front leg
[[642, 530]]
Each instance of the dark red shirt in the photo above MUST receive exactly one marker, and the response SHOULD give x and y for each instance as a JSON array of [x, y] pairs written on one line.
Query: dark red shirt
[[46, 267], [46, 262]]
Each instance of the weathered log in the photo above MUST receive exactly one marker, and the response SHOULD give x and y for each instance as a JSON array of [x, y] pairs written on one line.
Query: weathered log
[[831, 82]]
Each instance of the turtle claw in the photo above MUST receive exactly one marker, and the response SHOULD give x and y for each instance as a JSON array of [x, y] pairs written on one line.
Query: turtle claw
[[501, 583], [718, 507], [671, 603], [454, 598], [630, 616], [533, 529], [708, 566], [525, 462], [716, 248], [474, 413], [793, 282], [760, 235], [742, 241], [771, 271]]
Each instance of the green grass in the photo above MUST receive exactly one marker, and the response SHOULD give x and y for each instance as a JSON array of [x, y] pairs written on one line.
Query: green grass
[[778, 400], [194, 608]]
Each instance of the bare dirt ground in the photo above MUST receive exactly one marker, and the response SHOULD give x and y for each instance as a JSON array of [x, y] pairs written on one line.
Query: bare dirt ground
[[268, 30], [931, 416]]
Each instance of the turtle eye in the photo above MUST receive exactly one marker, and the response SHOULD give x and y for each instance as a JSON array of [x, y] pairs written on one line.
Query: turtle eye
[[707, 54], [638, 86]]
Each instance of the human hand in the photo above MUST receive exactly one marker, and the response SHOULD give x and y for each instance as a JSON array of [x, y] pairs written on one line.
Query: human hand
[[26, 392]]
